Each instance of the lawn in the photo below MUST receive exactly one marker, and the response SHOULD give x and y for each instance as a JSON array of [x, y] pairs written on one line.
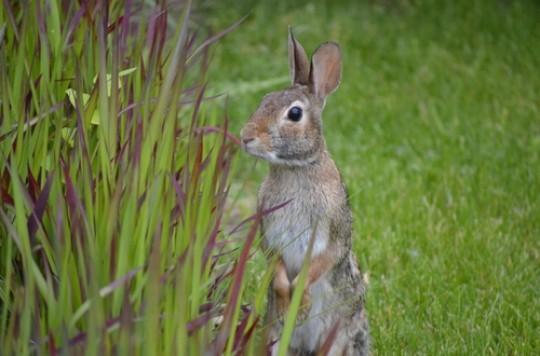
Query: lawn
[[436, 130], [125, 204]]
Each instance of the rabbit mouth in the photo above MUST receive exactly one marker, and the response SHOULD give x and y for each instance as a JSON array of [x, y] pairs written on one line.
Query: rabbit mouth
[[275, 159], [254, 149]]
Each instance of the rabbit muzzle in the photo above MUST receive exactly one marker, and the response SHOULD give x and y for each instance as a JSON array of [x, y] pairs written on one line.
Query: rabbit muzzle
[[254, 141]]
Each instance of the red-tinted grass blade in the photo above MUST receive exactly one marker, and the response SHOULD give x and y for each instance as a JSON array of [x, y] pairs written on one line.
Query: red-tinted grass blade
[[240, 330], [33, 121], [37, 213], [195, 324], [239, 270], [73, 23], [210, 245], [254, 216], [247, 335], [215, 38], [211, 129], [329, 341], [4, 189], [12, 22]]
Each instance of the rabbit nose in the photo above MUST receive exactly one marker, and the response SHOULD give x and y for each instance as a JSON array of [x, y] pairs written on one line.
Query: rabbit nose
[[247, 140]]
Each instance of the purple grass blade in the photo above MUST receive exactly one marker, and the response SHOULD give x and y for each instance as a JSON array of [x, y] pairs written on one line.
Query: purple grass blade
[[210, 245], [82, 336], [59, 222], [37, 213], [79, 107], [239, 270], [254, 216], [127, 314], [33, 186], [221, 245], [121, 152], [153, 29], [126, 24], [33, 121], [240, 330], [11, 18], [127, 109], [205, 307], [138, 143], [6, 198], [212, 129], [247, 335], [197, 323], [109, 288], [206, 98], [216, 38], [52, 345], [225, 274], [329, 341], [73, 23], [179, 263], [206, 161], [115, 24], [180, 199], [197, 106], [75, 205], [141, 199]]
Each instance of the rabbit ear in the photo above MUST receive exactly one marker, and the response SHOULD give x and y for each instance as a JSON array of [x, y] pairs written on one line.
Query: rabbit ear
[[325, 72], [298, 61]]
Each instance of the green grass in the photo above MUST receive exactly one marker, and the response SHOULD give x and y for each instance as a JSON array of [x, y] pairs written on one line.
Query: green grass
[[436, 129]]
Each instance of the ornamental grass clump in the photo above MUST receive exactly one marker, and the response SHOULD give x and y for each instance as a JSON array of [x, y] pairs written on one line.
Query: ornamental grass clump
[[114, 168]]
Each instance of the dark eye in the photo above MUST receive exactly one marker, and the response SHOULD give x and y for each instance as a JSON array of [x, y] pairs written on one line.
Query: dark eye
[[295, 113]]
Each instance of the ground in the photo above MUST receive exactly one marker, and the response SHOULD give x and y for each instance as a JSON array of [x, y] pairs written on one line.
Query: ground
[[436, 130]]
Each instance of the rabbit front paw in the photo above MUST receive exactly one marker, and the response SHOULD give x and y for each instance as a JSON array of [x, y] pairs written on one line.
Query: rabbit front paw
[[305, 304], [282, 290], [282, 305]]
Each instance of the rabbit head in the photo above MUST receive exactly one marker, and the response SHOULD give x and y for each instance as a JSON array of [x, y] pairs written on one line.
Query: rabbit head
[[286, 129]]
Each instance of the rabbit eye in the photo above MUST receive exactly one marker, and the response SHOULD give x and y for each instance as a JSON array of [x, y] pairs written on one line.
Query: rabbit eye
[[295, 113]]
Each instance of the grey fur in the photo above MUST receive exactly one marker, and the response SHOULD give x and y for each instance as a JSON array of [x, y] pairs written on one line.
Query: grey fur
[[302, 172]]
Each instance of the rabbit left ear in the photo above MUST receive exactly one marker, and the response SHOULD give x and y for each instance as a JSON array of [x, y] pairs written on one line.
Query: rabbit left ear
[[325, 72], [298, 61]]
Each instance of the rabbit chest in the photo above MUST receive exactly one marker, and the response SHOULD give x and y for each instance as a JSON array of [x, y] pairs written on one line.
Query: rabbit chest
[[288, 230]]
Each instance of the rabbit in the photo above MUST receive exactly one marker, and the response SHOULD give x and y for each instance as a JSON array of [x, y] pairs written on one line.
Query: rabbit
[[286, 130]]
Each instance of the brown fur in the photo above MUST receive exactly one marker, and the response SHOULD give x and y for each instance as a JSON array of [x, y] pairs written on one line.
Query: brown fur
[[302, 172]]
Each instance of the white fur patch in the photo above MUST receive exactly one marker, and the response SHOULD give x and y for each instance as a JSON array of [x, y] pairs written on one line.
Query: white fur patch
[[273, 158], [289, 230]]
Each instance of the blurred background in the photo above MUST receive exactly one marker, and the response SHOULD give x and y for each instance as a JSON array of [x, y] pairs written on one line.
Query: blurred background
[[436, 130]]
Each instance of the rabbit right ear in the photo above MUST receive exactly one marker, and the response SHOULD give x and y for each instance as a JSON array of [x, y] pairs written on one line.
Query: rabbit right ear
[[298, 62], [326, 69]]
